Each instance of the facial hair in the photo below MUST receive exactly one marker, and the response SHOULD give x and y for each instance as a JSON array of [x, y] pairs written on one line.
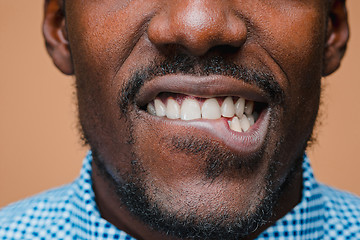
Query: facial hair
[[133, 194], [133, 190]]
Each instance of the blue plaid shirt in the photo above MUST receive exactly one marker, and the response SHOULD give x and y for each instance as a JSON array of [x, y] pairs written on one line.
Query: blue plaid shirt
[[70, 212]]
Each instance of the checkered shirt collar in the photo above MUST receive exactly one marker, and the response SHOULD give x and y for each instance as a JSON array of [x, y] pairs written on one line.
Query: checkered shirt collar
[[306, 221]]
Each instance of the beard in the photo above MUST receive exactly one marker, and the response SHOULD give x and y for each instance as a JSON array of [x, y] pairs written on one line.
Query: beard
[[140, 195], [137, 193]]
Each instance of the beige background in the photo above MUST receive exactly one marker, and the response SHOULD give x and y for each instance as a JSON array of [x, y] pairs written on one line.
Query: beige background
[[39, 141]]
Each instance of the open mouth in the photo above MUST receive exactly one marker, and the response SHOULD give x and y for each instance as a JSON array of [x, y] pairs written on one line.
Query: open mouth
[[226, 110], [241, 114]]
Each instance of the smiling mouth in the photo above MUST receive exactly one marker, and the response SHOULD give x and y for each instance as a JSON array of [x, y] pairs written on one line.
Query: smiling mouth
[[240, 114], [223, 109]]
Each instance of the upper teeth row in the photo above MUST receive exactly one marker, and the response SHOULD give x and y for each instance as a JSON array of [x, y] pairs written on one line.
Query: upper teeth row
[[241, 111]]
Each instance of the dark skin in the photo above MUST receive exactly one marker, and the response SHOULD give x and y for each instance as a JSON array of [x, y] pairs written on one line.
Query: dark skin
[[103, 43]]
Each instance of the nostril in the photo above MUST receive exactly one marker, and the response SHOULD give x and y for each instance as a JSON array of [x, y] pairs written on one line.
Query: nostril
[[224, 50]]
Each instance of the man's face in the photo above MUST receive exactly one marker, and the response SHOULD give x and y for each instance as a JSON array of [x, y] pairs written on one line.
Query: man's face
[[131, 57]]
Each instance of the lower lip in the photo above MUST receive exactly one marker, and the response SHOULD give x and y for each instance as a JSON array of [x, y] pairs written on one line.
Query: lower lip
[[243, 143]]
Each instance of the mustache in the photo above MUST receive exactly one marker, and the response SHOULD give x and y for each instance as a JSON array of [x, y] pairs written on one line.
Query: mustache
[[190, 65]]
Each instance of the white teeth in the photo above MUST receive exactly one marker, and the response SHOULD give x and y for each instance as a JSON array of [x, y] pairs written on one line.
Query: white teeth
[[172, 109], [239, 107], [211, 109], [228, 107], [249, 107], [151, 109], [245, 123], [235, 124], [190, 109], [160, 108], [251, 119]]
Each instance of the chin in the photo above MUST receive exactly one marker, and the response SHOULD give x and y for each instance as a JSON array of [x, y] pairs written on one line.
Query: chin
[[207, 191]]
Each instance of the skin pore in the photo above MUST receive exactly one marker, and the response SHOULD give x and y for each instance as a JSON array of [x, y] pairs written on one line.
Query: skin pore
[[160, 178]]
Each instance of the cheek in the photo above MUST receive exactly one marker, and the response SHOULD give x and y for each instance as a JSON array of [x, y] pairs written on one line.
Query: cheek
[[102, 36], [299, 45], [296, 45], [97, 50], [299, 42], [104, 33]]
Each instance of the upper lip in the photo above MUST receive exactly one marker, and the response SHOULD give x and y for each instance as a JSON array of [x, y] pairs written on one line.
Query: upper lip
[[199, 86]]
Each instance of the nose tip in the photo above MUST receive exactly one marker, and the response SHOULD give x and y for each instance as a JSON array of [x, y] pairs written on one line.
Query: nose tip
[[197, 26]]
